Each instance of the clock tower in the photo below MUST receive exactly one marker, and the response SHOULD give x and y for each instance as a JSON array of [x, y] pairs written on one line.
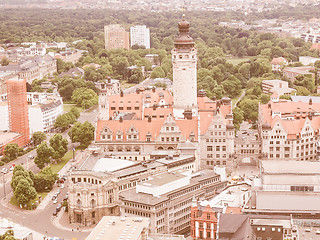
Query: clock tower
[[184, 61]]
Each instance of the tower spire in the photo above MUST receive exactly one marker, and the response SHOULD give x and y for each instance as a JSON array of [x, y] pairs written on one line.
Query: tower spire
[[184, 40]]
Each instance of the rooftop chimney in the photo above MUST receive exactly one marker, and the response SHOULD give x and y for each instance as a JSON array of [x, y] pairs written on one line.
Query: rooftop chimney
[[109, 79], [154, 89], [149, 119], [310, 101], [137, 90]]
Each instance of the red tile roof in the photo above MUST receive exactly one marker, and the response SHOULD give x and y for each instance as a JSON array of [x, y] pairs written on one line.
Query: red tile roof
[[279, 60], [298, 110]]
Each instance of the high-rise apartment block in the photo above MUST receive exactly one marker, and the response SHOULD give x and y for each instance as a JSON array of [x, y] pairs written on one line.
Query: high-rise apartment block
[[140, 35], [115, 37]]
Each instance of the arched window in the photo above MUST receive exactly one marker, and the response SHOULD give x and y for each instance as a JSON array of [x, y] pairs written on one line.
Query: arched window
[[93, 203], [170, 148], [160, 148], [78, 203]]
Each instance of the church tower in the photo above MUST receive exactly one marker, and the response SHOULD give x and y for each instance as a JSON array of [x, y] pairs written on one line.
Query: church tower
[[184, 61]]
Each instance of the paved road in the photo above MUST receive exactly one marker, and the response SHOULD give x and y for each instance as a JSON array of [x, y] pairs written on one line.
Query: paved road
[[242, 95]]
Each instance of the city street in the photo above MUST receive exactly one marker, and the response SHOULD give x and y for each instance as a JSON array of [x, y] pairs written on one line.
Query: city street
[[41, 220]]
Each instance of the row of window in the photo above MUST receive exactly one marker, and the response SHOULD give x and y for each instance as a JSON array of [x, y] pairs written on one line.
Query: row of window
[[215, 163], [218, 148], [217, 155], [143, 214], [216, 140]]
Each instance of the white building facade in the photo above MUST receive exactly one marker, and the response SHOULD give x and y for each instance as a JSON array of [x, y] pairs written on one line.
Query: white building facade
[[140, 35]]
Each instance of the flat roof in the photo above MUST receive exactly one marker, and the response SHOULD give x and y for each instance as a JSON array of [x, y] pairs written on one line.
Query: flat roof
[[111, 164], [6, 137], [115, 228], [290, 167], [288, 201], [291, 179], [285, 223], [162, 179]]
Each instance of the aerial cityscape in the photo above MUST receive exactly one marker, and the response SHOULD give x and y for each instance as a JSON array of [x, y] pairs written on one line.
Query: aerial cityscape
[[159, 120]]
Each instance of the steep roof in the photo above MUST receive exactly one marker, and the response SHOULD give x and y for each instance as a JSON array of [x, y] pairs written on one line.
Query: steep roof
[[279, 60]]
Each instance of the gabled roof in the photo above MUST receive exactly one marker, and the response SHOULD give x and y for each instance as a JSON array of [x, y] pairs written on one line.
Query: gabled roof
[[279, 60]]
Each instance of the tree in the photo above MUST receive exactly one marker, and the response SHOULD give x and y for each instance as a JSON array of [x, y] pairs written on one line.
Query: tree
[[237, 117], [8, 235], [4, 61], [136, 76], [38, 137], [158, 73], [264, 98], [44, 153], [12, 150], [317, 64], [84, 97], [63, 122], [232, 86], [305, 81], [44, 180], [24, 192], [82, 133], [75, 112], [59, 146], [302, 91], [250, 109]]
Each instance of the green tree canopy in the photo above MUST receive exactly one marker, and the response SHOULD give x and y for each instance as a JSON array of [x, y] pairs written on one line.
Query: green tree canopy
[[82, 133]]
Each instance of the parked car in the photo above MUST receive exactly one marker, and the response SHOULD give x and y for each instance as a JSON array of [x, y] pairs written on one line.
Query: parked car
[[53, 197], [4, 170], [55, 201], [62, 186], [12, 167], [58, 209], [66, 197], [54, 213]]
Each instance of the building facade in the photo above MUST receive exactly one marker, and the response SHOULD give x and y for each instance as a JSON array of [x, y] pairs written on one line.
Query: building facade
[[115, 37], [166, 199], [140, 35], [94, 189], [289, 130]]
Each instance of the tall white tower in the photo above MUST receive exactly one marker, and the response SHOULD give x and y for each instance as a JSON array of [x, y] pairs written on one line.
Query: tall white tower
[[184, 61]]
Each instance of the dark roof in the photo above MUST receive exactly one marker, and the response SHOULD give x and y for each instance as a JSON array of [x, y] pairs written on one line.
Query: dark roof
[[234, 226]]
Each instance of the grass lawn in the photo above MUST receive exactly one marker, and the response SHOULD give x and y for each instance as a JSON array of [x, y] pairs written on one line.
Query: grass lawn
[[125, 85], [236, 61], [57, 167], [67, 107], [15, 202]]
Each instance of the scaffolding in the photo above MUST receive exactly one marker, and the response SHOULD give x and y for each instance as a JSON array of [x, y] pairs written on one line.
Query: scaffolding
[[18, 109]]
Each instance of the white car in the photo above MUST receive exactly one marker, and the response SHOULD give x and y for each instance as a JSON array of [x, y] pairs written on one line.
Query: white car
[[4, 170], [55, 201], [62, 186]]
